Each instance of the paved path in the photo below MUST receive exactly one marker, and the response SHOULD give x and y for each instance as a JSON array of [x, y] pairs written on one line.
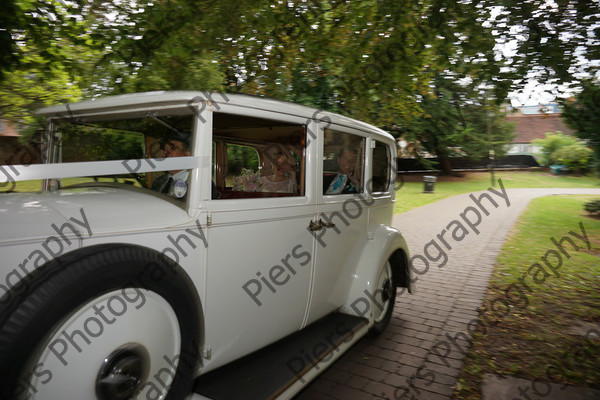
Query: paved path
[[400, 363]]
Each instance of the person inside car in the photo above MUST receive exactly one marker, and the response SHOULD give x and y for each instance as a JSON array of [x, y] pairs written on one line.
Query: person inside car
[[283, 179], [174, 182], [346, 180]]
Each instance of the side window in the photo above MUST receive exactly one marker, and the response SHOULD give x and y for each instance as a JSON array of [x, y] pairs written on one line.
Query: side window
[[343, 163], [242, 161], [128, 137], [255, 157], [381, 167]]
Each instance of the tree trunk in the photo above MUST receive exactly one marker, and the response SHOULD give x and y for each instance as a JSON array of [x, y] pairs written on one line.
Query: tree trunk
[[445, 165]]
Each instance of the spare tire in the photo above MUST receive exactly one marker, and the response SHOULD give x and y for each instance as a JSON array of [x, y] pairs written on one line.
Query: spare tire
[[106, 322]]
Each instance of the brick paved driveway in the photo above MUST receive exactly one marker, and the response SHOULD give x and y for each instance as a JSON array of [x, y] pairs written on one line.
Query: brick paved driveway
[[400, 364]]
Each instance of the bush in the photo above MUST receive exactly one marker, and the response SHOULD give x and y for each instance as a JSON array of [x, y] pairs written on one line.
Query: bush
[[593, 207], [552, 143], [576, 156]]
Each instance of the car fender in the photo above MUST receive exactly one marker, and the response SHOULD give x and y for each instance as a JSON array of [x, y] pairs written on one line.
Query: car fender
[[387, 243]]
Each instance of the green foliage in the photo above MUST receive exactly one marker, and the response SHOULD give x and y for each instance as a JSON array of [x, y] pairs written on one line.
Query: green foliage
[[411, 194], [241, 157], [486, 126], [593, 207], [575, 156], [375, 60], [551, 143], [46, 58], [197, 73], [583, 114], [555, 303], [454, 118], [82, 143], [314, 91], [50, 26], [32, 86], [553, 41]]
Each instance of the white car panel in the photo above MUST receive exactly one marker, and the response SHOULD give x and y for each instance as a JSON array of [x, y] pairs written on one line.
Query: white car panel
[[256, 266]]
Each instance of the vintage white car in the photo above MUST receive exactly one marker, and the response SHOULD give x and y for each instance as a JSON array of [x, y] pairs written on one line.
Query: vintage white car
[[174, 245]]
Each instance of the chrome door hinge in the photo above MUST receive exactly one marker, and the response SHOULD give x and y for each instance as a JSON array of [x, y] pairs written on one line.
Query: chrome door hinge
[[208, 219], [207, 352]]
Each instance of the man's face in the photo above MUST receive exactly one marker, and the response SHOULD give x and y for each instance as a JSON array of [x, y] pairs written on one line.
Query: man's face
[[175, 148], [347, 162]]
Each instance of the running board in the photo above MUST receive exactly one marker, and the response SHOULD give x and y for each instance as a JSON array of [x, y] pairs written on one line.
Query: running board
[[282, 369]]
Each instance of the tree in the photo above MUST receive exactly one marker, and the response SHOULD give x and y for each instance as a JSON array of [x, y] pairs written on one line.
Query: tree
[[314, 91], [52, 27], [367, 59], [376, 55], [32, 86], [583, 114], [47, 57], [551, 42], [455, 120], [375, 60]]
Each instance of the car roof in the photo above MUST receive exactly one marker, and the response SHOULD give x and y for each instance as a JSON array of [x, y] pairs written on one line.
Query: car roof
[[157, 99]]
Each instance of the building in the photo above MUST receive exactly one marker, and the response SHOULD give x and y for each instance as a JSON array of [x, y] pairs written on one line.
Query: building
[[9, 142], [13, 150], [533, 122]]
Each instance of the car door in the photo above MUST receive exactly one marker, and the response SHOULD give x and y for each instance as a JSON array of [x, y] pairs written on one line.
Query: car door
[[260, 253], [341, 225]]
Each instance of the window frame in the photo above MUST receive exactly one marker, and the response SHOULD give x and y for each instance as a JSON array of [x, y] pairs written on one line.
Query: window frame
[[389, 169], [295, 122], [364, 137]]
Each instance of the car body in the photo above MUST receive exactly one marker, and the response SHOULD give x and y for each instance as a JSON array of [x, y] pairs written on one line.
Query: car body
[[133, 293]]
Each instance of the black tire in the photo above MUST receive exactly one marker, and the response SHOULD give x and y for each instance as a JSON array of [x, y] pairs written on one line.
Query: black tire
[[385, 294], [62, 286]]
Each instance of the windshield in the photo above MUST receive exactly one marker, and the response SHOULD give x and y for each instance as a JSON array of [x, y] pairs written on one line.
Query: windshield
[[128, 140]]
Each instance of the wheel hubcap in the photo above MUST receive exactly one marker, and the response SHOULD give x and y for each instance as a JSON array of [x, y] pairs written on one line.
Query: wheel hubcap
[[387, 291], [118, 343], [123, 372]]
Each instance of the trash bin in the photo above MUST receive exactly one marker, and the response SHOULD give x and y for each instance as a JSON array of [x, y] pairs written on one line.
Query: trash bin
[[559, 169], [429, 183]]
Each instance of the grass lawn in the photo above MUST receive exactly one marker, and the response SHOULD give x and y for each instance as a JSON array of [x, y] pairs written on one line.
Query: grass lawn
[[541, 335], [411, 193]]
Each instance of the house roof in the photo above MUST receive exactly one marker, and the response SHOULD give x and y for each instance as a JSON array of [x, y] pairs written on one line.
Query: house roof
[[529, 127]]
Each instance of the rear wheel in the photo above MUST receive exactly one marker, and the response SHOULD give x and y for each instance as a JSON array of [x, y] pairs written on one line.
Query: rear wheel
[[384, 300], [108, 323]]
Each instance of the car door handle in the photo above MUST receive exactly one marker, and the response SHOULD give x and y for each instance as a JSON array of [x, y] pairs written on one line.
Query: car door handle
[[315, 226], [326, 224]]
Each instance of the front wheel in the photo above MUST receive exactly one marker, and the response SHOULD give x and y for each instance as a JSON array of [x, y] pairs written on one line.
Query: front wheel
[[108, 323], [383, 300]]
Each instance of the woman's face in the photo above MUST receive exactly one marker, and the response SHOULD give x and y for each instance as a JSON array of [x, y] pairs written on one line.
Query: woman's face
[[281, 165]]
